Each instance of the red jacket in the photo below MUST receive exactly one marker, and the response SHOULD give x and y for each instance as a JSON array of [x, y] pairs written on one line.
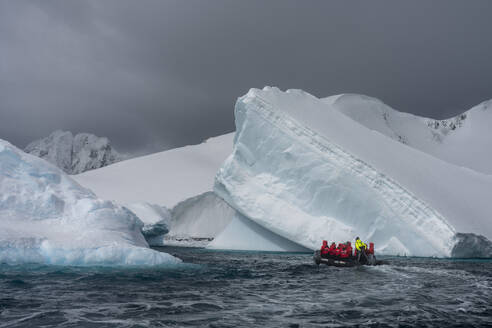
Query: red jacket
[[324, 248], [332, 250]]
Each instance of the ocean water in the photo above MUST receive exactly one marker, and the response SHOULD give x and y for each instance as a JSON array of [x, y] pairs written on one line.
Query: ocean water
[[245, 289]]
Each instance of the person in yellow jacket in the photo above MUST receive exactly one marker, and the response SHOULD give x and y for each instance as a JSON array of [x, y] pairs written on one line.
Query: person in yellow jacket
[[360, 248]]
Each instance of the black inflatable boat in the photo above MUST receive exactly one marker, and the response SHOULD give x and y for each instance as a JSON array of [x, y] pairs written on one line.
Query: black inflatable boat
[[369, 259], [342, 256]]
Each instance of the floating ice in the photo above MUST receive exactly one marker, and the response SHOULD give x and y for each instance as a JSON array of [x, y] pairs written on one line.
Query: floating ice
[[244, 234], [196, 221], [306, 172], [47, 217]]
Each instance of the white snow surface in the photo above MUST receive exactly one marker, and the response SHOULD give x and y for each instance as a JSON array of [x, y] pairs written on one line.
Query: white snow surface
[[46, 217], [464, 140], [164, 178], [74, 154], [306, 172]]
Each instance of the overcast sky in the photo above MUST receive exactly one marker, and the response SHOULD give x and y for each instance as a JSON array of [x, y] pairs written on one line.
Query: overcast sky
[[151, 75]]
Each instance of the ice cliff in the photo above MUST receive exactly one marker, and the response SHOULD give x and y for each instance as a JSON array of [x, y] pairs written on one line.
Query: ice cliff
[[305, 171], [74, 154], [46, 217]]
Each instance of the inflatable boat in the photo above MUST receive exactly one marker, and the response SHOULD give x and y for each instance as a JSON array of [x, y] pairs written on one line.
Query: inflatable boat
[[342, 256]]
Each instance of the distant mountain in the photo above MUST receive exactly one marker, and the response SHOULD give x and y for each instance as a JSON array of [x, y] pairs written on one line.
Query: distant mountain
[[74, 154], [463, 140]]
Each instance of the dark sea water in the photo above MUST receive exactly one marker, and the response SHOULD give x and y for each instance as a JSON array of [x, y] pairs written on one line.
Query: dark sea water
[[241, 289]]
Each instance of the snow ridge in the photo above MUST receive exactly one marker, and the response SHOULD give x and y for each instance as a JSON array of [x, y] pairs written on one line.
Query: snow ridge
[[460, 140]]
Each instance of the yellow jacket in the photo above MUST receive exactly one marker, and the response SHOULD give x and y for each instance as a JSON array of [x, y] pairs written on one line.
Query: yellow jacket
[[359, 244]]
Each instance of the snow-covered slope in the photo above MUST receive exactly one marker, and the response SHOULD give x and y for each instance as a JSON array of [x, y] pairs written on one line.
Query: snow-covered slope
[[74, 154], [464, 140], [306, 172], [164, 178], [46, 217]]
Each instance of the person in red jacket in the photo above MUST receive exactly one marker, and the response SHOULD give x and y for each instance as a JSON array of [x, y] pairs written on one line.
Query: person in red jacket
[[340, 250], [324, 248], [349, 249], [332, 250], [344, 251]]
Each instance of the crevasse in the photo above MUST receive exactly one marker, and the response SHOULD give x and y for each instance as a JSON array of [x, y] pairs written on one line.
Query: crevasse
[[299, 184]]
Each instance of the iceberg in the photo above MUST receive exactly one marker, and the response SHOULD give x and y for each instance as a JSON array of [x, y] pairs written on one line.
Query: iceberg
[[305, 171], [46, 217], [243, 234], [197, 220], [156, 220]]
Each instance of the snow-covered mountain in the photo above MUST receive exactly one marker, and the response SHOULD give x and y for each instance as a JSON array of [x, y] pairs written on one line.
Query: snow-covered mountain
[[46, 217], [74, 154], [464, 140]]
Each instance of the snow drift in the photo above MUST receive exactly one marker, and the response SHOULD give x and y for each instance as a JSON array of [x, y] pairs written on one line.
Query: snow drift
[[164, 178], [46, 217], [306, 172], [74, 154]]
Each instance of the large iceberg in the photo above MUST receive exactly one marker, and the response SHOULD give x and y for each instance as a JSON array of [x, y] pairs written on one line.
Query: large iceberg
[[46, 217], [304, 171]]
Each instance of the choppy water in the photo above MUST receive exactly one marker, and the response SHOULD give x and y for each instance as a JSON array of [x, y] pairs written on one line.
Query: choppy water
[[237, 289]]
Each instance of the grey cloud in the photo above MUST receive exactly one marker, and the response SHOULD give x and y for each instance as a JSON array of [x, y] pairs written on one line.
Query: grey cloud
[[158, 74]]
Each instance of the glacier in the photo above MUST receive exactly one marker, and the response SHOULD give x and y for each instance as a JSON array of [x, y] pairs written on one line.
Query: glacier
[[305, 171], [46, 217]]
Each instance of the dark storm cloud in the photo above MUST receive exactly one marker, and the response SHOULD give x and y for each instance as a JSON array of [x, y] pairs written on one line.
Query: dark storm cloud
[[157, 74]]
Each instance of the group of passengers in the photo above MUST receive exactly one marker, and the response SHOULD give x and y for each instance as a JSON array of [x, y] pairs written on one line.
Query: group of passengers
[[343, 250]]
